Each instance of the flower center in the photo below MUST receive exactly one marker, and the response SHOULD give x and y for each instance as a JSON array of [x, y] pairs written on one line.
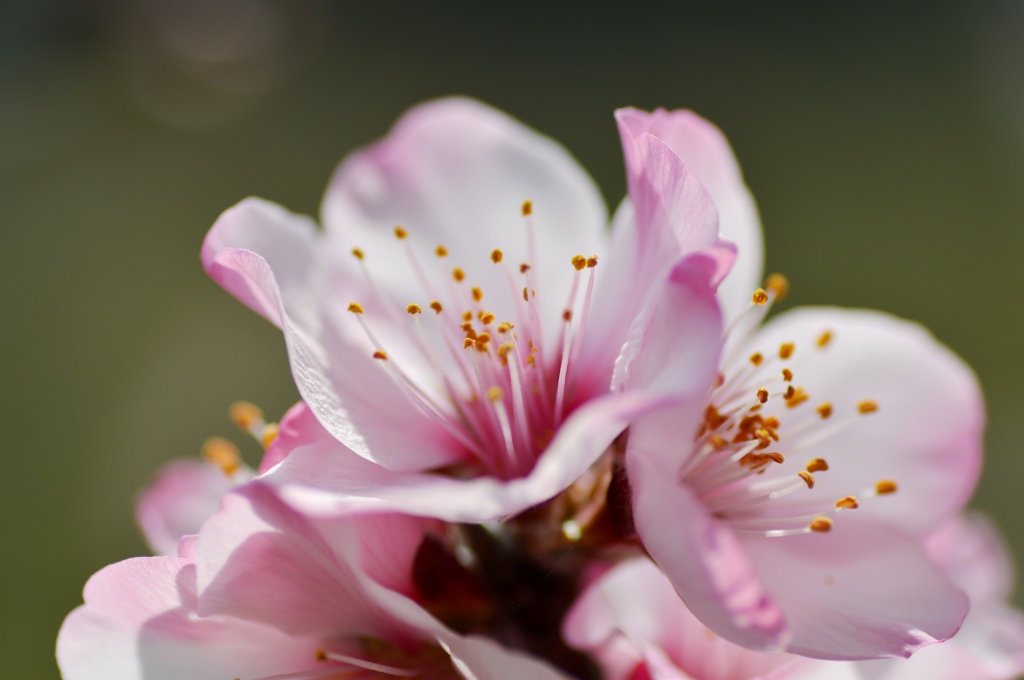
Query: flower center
[[491, 382], [757, 424]]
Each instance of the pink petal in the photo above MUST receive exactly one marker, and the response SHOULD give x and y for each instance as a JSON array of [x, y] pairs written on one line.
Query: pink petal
[[707, 154], [969, 550], [183, 494], [262, 562], [456, 172], [298, 427], [926, 434], [702, 558], [139, 622], [863, 590], [325, 479]]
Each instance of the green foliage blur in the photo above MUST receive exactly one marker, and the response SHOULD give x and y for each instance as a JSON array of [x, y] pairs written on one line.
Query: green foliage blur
[[885, 147]]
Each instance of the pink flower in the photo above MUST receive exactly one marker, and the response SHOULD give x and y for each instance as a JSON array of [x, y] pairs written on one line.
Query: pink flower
[[265, 594], [630, 621], [463, 310], [737, 495]]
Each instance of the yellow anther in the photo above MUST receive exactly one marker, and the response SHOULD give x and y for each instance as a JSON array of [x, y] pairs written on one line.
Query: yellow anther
[[527, 208], [468, 342], [495, 393], [487, 318], [798, 397], [824, 339], [717, 442], [400, 232], [579, 262], [441, 251], [817, 465], [483, 338], [321, 655], [592, 261], [357, 253], [786, 350], [467, 316], [380, 355], [530, 361], [436, 306], [355, 308], [496, 256], [759, 297], [775, 457], [478, 294], [762, 395], [867, 406], [523, 268], [847, 503], [245, 415], [505, 326], [567, 315], [756, 358], [458, 275], [771, 422], [525, 296], [807, 477], [820, 524], [787, 375], [504, 349], [223, 454], [790, 391], [777, 284], [413, 308], [825, 410], [886, 486], [269, 435]]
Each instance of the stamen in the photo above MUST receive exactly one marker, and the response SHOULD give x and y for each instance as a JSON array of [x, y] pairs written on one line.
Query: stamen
[[824, 410], [787, 375], [531, 247], [824, 339], [413, 308], [796, 397], [223, 454], [357, 253], [820, 524], [759, 297], [436, 306], [246, 415], [355, 308], [579, 262], [478, 294], [778, 285], [786, 350], [441, 251], [370, 666], [807, 477], [847, 503], [487, 318], [527, 208], [400, 232], [380, 355], [762, 395], [269, 435], [884, 487], [756, 358], [867, 406], [458, 275], [523, 268], [496, 256], [817, 465]]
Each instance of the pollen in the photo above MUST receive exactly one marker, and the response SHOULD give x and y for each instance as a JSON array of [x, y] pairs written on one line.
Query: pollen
[[579, 262], [245, 414], [790, 391], [458, 275], [759, 297], [786, 350], [787, 375], [478, 294], [779, 285], [467, 316], [867, 406], [355, 308], [847, 503], [413, 308], [798, 397], [357, 253], [400, 232], [817, 465], [756, 358], [820, 524], [483, 338], [807, 477], [527, 208], [495, 393], [468, 342], [591, 261], [775, 457], [505, 349], [436, 306], [824, 339], [505, 326], [223, 454], [825, 410], [496, 256], [441, 251], [269, 435], [567, 315], [762, 395], [380, 355], [884, 487], [487, 318]]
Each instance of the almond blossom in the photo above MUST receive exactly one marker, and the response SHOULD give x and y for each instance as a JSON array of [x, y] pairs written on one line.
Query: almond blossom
[[463, 308], [630, 621], [263, 594], [829, 443]]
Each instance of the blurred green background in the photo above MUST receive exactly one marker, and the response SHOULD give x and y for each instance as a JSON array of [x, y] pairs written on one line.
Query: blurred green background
[[885, 147]]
